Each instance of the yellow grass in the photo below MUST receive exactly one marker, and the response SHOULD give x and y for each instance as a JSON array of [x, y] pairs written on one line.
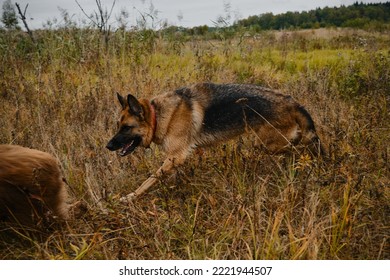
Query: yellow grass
[[232, 202]]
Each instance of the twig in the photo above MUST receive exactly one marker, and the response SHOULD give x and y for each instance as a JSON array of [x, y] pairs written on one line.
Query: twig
[[23, 18], [89, 17], [101, 18]]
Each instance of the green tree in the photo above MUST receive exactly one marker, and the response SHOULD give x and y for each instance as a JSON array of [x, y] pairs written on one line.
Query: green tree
[[8, 17]]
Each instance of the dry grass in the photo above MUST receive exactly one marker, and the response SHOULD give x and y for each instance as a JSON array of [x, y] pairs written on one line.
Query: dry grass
[[232, 202]]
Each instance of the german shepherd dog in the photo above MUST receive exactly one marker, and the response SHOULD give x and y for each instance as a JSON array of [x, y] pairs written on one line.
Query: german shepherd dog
[[204, 114]]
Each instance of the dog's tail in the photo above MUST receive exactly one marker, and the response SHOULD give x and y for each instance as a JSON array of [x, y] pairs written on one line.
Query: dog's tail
[[309, 135]]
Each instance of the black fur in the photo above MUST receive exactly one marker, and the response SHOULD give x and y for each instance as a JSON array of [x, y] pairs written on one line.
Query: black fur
[[232, 106]]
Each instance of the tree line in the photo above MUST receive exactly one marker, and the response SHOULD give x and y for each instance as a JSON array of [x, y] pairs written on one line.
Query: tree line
[[358, 15]]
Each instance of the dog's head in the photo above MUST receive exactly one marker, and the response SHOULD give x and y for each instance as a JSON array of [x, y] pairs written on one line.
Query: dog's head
[[134, 126]]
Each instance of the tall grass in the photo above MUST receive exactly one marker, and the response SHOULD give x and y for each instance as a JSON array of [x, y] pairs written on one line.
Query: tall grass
[[231, 202]]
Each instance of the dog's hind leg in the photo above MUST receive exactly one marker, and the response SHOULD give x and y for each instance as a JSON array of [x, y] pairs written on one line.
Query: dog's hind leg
[[167, 168]]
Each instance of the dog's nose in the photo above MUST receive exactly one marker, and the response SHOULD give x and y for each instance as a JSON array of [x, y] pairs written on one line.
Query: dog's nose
[[110, 146]]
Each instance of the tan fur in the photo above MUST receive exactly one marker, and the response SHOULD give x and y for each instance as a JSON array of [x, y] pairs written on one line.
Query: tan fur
[[31, 185], [205, 114]]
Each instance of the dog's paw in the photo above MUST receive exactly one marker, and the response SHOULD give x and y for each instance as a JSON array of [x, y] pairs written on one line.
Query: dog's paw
[[128, 198]]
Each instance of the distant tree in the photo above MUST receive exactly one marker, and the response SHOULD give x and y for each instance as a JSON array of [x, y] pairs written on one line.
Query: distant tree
[[267, 21], [8, 17], [200, 30]]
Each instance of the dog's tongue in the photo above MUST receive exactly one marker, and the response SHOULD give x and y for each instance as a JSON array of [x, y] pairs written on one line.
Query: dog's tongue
[[125, 148]]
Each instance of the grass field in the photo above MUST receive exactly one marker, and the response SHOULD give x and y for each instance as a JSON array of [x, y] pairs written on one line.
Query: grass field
[[232, 202]]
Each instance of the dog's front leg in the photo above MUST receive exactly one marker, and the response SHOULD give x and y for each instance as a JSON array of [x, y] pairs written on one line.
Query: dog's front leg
[[167, 168], [143, 188]]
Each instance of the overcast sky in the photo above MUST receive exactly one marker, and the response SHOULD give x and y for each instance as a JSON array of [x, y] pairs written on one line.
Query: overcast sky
[[186, 13]]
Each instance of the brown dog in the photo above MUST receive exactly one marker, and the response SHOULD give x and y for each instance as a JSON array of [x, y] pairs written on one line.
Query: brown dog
[[31, 185], [205, 114]]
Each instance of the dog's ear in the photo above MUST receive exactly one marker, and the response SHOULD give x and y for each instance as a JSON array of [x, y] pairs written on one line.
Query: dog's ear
[[134, 106], [121, 100]]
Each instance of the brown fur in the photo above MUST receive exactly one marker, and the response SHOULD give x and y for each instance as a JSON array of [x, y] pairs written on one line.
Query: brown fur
[[31, 185], [204, 114]]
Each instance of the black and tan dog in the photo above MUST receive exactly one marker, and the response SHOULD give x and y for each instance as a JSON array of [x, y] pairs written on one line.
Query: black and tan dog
[[204, 114]]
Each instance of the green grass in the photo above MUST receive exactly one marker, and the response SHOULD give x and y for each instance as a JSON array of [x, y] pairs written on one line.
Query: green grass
[[232, 202]]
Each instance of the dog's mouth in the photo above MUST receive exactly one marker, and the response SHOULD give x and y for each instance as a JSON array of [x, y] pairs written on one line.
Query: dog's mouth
[[130, 147]]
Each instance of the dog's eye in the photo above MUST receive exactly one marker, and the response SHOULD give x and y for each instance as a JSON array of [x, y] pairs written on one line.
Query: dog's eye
[[127, 127]]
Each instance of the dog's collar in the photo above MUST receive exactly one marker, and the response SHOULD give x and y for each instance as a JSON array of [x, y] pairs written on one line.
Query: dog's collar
[[153, 121]]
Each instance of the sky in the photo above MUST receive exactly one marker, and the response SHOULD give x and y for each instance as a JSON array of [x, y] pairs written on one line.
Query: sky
[[187, 13]]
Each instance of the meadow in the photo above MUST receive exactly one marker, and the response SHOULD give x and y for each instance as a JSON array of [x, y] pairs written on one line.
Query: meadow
[[57, 94]]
